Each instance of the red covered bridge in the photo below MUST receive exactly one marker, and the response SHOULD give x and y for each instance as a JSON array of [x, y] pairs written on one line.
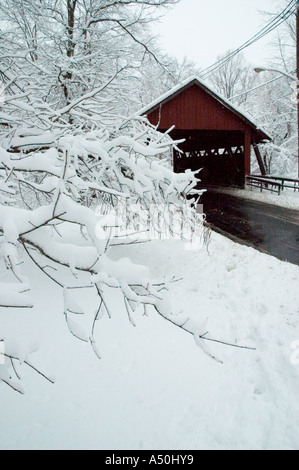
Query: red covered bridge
[[218, 137]]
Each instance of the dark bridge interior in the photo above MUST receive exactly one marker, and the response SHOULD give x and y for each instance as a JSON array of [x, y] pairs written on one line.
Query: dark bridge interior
[[218, 154]]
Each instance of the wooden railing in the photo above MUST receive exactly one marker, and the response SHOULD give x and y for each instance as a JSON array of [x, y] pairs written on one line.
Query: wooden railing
[[264, 183], [272, 183], [292, 183]]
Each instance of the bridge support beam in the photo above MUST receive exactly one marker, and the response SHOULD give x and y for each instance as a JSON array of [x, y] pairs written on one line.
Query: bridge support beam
[[259, 158]]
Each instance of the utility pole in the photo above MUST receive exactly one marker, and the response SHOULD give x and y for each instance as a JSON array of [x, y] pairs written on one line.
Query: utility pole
[[297, 73]]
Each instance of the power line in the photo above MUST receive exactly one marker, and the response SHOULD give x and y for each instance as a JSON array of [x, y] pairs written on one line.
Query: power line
[[273, 24], [218, 65]]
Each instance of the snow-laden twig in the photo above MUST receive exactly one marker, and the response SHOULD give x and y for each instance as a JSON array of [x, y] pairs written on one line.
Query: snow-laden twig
[[14, 352]]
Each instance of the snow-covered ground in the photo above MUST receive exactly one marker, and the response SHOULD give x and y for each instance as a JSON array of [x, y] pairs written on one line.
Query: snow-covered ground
[[154, 388], [287, 198]]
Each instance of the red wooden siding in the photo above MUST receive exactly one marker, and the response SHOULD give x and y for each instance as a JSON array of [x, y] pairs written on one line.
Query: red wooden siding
[[194, 108]]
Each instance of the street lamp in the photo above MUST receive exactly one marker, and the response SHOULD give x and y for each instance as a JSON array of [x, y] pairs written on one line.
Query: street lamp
[[295, 79], [263, 69]]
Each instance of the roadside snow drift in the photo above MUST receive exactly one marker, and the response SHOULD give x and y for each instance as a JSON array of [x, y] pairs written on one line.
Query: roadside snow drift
[[154, 388]]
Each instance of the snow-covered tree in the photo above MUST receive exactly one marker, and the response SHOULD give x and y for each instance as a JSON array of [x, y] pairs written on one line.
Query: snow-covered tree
[[73, 171], [64, 49], [274, 106], [233, 78], [153, 80]]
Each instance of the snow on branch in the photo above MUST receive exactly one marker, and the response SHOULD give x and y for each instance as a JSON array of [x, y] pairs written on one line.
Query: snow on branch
[[58, 207], [14, 296], [15, 352]]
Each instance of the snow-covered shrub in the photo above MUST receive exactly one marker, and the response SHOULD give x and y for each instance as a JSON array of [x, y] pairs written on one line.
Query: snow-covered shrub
[[55, 203]]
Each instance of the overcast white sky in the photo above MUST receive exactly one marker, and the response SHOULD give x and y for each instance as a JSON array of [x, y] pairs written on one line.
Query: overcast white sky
[[203, 29]]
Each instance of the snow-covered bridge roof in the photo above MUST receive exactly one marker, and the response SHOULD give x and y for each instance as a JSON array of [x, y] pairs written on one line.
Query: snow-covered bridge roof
[[194, 80]]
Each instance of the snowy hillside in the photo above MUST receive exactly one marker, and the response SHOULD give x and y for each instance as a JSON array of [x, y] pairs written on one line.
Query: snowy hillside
[[154, 388]]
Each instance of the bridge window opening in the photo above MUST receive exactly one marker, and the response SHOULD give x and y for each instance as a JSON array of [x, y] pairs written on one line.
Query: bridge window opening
[[219, 156]]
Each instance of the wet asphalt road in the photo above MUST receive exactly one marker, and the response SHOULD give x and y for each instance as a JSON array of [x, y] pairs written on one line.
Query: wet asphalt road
[[271, 229]]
